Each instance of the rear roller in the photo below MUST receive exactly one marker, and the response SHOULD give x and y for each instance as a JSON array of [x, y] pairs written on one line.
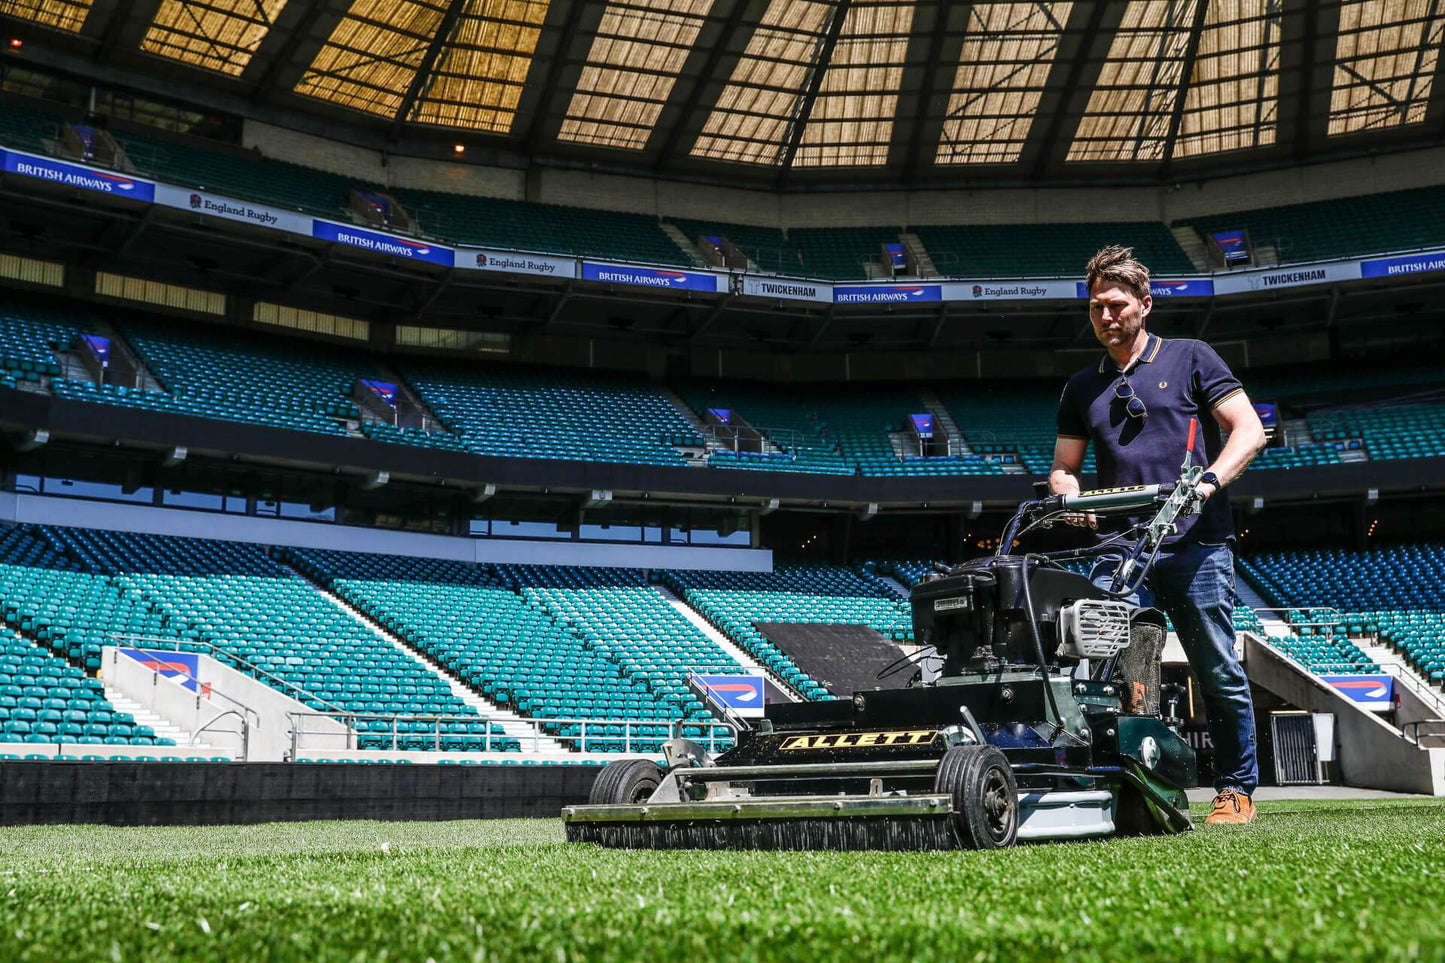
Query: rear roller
[[627, 782]]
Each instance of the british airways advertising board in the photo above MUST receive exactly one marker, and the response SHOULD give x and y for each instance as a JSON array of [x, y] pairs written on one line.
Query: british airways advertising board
[[652, 277], [403, 247], [76, 175], [1168, 288], [1389, 267], [886, 293], [742, 694], [1373, 692]]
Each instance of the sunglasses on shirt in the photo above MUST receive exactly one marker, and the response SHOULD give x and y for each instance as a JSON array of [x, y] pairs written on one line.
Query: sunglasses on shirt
[[1132, 403]]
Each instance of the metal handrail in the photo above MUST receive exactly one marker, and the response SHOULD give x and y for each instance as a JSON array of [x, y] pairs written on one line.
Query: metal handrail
[[245, 732], [538, 726], [280, 683], [210, 689], [1414, 734], [1294, 609]]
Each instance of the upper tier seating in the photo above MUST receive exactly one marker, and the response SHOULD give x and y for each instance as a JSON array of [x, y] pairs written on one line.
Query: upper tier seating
[[1370, 224], [29, 338], [511, 647], [1010, 420], [734, 601], [842, 252], [862, 422], [779, 415], [1393, 591], [1047, 250], [519, 413], [233, 597], [767, 247]]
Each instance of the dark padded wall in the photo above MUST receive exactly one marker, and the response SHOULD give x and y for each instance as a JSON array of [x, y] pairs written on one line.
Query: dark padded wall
[[843, 658], [158, 793]]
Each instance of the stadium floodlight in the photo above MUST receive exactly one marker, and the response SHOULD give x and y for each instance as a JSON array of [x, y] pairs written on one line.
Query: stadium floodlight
[[174, 457], [868, 512], [33, 439], [597, 499], [769, 506], [484, 493], [975, 509], [375, 480]]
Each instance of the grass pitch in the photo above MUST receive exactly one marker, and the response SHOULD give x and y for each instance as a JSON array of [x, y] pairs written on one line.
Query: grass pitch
[[1343, 881]]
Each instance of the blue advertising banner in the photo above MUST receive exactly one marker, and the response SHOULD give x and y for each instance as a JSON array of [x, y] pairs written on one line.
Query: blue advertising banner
[[1373, 692], [1233, 245], [650, 277], [100, 345], [170, 665], [1387, 267], [1169, 288], [886, 293], [382, 243], [385, 390], [74, 175], [922, 425], [741, 693]]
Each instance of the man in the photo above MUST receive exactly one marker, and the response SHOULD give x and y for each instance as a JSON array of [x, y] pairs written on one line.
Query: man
[[1135, 406]]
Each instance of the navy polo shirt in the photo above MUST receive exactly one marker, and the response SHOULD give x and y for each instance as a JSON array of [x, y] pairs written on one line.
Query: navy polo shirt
[[1177, 379]]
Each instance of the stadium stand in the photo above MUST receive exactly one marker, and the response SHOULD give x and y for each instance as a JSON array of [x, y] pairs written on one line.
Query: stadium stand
[[1034, 250], [1398, 431], [29, 338], [797, 593], [1368, 224], [55, 621], [842, 252], [863, 423], [1390, 591], [800, 443], [767, 247], [535, 414], [231, 601], [499, 634], [1018, 422]]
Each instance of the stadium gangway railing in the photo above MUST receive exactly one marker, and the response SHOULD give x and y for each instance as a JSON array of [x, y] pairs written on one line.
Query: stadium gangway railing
[[634, 731], [249, 668], [207, 690]]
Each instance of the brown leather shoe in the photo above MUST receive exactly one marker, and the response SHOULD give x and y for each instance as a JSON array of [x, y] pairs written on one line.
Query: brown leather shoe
[[1230, 807]]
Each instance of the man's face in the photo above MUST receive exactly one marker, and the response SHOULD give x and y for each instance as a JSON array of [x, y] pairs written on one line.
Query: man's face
[[1117, 315]]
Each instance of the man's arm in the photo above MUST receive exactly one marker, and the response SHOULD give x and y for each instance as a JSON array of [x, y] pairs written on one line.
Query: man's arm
[[1237, 416], [1064, 476]]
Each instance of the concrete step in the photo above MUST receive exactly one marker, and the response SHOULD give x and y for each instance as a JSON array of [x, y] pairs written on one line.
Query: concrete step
[[685, 243], [898, 587], [512, 724], [915, 247], [739, 656], [1192, 245], [1247, 595], [162, 726], [1297, 432]]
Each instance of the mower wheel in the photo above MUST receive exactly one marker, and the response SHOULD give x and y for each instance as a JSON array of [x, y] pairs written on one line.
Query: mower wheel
[[625, 782], [985, 796]]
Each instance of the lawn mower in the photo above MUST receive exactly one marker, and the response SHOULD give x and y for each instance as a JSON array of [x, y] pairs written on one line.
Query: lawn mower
[[1043, 722]]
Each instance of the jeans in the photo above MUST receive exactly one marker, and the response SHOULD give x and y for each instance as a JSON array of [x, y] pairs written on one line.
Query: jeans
[[1193, 584]]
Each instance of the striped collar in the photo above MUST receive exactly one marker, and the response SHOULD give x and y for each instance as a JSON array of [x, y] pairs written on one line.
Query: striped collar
[[1150, 352]]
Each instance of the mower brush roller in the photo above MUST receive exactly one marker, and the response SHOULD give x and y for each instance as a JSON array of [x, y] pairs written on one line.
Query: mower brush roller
[[1014, 740]]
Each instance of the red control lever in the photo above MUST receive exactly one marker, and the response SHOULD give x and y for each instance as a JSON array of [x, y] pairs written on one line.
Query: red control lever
[[1193, 424]]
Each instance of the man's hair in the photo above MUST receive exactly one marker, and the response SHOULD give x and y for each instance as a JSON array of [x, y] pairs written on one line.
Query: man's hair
[[1116, 265]]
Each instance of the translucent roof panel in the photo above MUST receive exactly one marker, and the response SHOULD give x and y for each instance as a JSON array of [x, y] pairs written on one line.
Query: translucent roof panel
[[1128, 115], [478, 77], [635, 58], [1232, 101], [219, 35], [1008, 49], [373, 55], [60, 14], [851, 121], [754, 115], [1385, 63]]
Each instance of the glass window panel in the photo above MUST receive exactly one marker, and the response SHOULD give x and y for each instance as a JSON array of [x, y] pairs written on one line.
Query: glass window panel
[[636, 55], [479, 73], [219, 35], [1385, 62], [372, 56], [61, 14], [1233, 98], [1008, 49]]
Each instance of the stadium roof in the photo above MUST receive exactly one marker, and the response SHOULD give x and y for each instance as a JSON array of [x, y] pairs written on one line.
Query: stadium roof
[[794, 92]]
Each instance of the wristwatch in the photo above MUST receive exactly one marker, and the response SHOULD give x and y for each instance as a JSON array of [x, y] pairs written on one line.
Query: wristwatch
[[1212, 479]]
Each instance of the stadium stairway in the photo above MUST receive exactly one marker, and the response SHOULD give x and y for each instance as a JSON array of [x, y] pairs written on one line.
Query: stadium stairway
[[163, 727], [513, 725], [723, 642]]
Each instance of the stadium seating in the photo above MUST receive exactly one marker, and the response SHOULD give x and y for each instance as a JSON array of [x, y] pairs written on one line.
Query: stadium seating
[[1299, 456], [861, 423], [1368, 224], [534, 414], [767, 247], [30, 336], [234, 598], [801, 442], [45, 695], [1047, 250], [1399, 431], [1391, 591], [498, 633], [841, 252], [734, 601], [1007, 421]]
